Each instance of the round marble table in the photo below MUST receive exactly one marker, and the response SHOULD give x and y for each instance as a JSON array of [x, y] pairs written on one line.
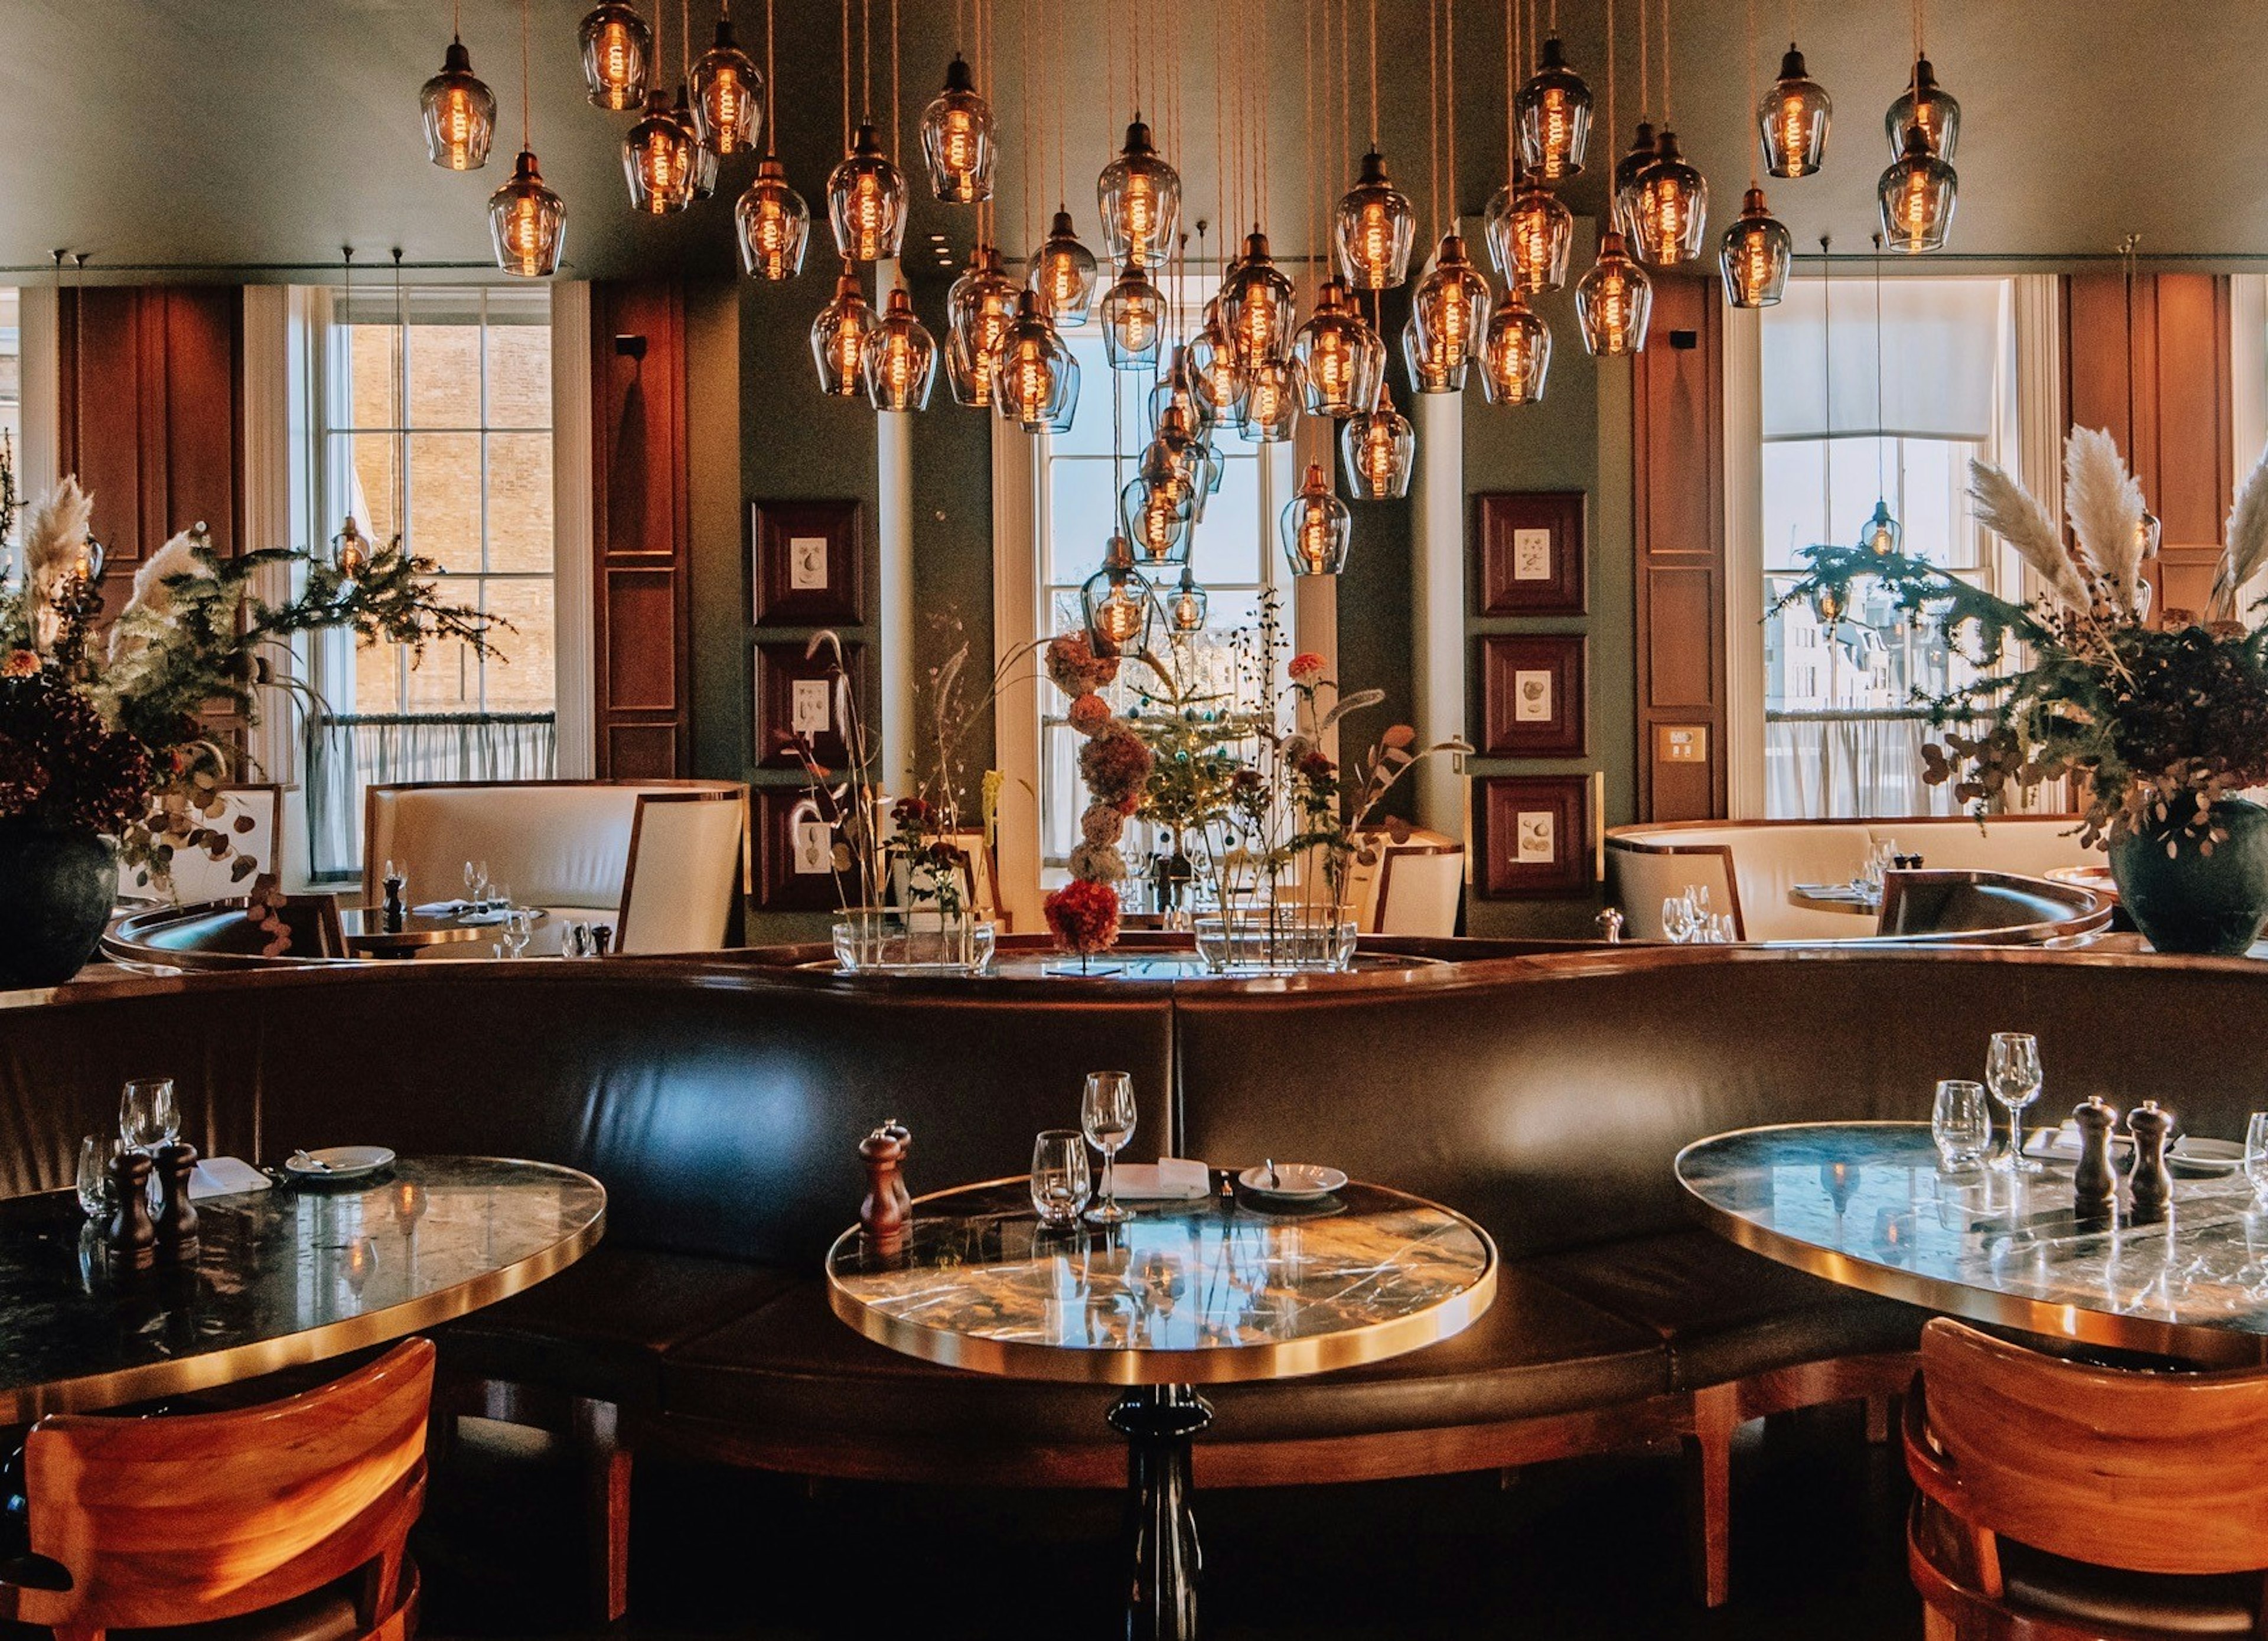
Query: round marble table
[[282, 1276], [1203, 1292], [1834, 897], [1866, 1204], [367, 935]]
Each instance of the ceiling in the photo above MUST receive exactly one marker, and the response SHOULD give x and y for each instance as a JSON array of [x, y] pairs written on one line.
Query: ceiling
[[223, 133]]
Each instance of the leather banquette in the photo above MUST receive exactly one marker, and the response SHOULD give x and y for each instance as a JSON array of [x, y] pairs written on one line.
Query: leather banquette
[[1544, 1095]]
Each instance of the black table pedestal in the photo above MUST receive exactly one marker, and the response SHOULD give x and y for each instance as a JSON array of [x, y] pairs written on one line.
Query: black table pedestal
[[1158, 1422]]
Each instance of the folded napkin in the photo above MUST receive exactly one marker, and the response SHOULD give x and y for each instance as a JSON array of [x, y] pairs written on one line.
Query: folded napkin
[[2064, 1142], [226, 1176], [442, 908], [1176, 1179]]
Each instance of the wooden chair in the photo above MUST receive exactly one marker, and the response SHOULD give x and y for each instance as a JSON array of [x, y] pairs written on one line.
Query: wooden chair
[[2064, 1501], [296, 1511]]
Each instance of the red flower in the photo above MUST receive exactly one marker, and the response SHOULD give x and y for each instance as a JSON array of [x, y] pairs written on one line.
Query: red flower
[[1083, 917], [1115, 764], [1318, 769], [1307, 667], [1089, 713], [20, 664], [1075, 667], [910, 814]]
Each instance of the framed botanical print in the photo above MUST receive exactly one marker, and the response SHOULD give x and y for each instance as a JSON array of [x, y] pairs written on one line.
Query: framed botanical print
[[1533, 703], [1538, 836], [795, 854], [805, 563], [796, 698], [1531, 550]]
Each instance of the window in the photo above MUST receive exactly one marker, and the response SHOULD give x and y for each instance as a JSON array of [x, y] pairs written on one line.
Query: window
[[1844, 730], [434, 422], [11, 393]]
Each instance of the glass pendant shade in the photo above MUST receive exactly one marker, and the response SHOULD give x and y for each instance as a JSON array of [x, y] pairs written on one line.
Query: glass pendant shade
[[838, 336], [705, 163], [1516, 357], [1133, 320], [1116, 603], [956, 139], [1030, 368], [1156, 519], [657, 159], [1671, 211], [1379, 451], [897, 361], [1173, 454], [1339, 358], [351, 549], [1062, 409], [979, 310], [1177, 390], [459, 113], [1628, 169], [1064, 273], [617, 47], [1918, 196], [866, 200], [1613, 301], [1881, 534], [528, 223], [728, 95], [1213, 366], [1185, 611], [1431, 369], [1316, 527], [1531, 242], [1373, 229], [1449, 314], [1828, 604], [1140, 198], [1553, 115], [1792, 124], [1258, 306], [1926, 108], [772, 224], [1270, 407], [1756, 255]]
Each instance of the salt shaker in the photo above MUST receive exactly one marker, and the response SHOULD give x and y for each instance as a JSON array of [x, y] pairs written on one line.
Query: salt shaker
[[2152, 1184], [2093, 1186], [177, 1217], [885, 1219], [131, 1238], [396, 914]]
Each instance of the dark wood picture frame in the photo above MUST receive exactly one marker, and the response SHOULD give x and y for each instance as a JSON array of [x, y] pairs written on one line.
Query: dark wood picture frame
[[791, 585], [1553, 812], [786, 677], [1523, 573], [781, 885], [1535, 702]]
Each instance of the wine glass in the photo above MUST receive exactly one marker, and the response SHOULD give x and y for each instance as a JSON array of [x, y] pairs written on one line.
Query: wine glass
[[1106, 1113], [1061, 1183], [1961, 1123], [2256, 1156], [147, 1118], [1676, 925], [96, 1153], [519, 928], [1696, 897], [2012, 1071]]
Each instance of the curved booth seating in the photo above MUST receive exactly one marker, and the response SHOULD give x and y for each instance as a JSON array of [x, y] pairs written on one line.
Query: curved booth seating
[[1750, 866], [720, 1102]]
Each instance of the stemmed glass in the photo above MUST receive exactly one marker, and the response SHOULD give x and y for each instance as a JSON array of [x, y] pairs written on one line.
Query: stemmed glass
[[1061, 1184], [476, 884], [147, 1118], [1106, 1114], [516, 931], [2011, 1071]]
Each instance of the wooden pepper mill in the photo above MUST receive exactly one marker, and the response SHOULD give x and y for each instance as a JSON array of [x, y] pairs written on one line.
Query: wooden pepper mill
[[2151, 1183], [395, 912], [886, 1217], [2093, 1185], [177, 1216], [899, 1132], [130, 1237]]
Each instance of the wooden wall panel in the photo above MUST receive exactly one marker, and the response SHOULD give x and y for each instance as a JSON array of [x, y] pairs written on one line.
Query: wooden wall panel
[[642, 551], [1678, 469], [2165, 396]]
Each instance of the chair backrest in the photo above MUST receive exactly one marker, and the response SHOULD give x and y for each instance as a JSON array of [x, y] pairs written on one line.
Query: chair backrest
[[689, 869], [2153, 1472], [173, 1520], [1421, 886], [251, 818], [1640, 879]]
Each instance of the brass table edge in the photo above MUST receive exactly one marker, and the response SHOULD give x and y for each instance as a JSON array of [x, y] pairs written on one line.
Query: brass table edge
[[2197, 1341], [1221, 1364], [180, 1375]]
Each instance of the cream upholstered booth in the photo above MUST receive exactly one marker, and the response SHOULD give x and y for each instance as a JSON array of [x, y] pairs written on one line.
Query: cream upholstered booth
[[689, 867], [561, 845], [1749, 866]]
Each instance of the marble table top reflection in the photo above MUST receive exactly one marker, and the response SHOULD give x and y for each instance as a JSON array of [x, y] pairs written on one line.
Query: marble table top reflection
[[1868, 1204], [1201, 1291], [282, 1276]]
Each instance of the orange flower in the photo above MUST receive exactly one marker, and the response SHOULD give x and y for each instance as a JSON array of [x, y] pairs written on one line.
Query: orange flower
[[20, 664], [1307, 667]]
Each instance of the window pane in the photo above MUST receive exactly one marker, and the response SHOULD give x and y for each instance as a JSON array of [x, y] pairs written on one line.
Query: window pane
[[1082, 511], [1228, 540], [1794, 499], [519, 502], [520, 373], [444, 376], [372, 382], [444, 499], [520, 678], [377, 679], [448, 679], [377, 482]]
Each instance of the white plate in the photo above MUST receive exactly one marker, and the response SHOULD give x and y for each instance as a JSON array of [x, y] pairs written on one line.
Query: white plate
[[2207, 1156], [1294, 1181], [338, 1162]]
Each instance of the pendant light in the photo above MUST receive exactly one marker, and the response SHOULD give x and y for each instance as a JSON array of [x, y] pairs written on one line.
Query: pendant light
[[1139, 197], [705, 164], [1133, 320], [1615, 300], [771, 220], [1517, 356], [1375, 229], [1377, 450], [459, 111], [838, 335], [527, 221], [1881, 534], [1213, 364], [866, 200], [1448, 318], [1177, 389], [1339, 358], [1270, 408], [1258, 306], [1792, 121], [1116, 603], [658, 153], [1926, 108], [1917, 195], [1175, 456], [1554, 111], [1185, 612], [897, 360], [956, 139], [1758, 251], [1032, 373], [1316, 527], [1062, 408], [979, 309], [1064, 273], [1643, 149], [728, 93], [617, 52], [1669, 213], [1530, 242], [1156, 519]]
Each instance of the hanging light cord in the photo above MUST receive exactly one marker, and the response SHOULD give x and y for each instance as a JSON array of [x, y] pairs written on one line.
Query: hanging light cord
[[1755, 100], [1374, 75], [1433, 107], [1610, 89], [1511, 90], [1881, 484], [771, 82], [846, 76], [526, 58], [897, 101], [866, 62], [1666, 120], [1919, 22], [1062, 77], [1827, 327], [1645, 65]]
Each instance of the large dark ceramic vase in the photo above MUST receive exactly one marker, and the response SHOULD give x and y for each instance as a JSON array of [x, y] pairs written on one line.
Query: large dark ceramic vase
[[2185, 900], [57, 889]]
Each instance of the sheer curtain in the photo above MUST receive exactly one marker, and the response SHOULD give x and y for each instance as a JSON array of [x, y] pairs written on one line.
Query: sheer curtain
[[1836, 766], [347, 753]]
